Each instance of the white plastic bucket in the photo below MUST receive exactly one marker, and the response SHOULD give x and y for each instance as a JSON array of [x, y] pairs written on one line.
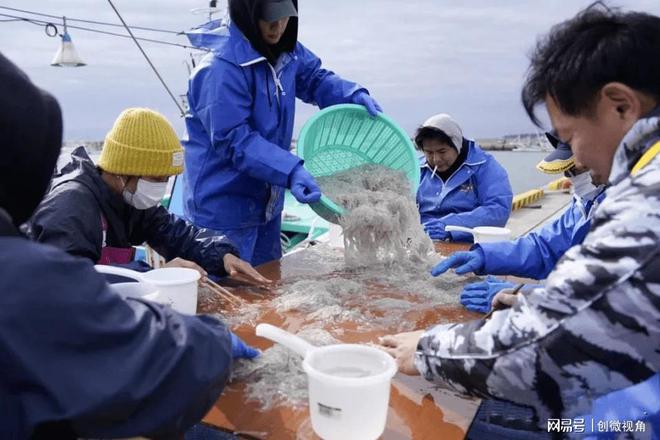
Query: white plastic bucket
[[349, 385], [484, 234], [177, 286], [137, 289], [349, 390]]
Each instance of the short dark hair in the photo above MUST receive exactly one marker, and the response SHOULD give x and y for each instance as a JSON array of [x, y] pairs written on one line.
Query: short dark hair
[[579, 56], [429, 133]]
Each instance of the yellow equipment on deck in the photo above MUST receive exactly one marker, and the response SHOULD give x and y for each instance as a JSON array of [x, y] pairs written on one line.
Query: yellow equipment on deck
[[524, 199]]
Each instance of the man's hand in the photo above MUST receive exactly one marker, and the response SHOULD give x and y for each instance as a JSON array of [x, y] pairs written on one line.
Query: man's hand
[[235, 266], [402, 348], [180, 262], [504, 299]]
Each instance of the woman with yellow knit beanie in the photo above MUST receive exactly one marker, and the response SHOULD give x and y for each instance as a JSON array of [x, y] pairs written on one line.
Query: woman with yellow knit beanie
[[102, 212]]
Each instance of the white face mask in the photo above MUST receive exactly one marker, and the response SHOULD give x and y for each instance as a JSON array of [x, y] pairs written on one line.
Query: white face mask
[[583, 187], [147, 194]]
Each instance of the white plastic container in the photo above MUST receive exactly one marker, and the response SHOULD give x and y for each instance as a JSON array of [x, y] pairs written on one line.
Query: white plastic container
[[139, 288], [349, 390], [349, 385], [177, 286], [484, 234]]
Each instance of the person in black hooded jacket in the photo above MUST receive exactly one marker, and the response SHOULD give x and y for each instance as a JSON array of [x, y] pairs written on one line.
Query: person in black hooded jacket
[[100, 213], [76, 359]]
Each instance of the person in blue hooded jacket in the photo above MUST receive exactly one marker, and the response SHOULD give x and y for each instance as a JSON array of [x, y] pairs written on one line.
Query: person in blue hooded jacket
[[461, 185], [240, 124], [536, 254], [77, 360]]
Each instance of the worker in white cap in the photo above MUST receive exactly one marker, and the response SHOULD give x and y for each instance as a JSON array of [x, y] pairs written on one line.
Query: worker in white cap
[[461, 185]]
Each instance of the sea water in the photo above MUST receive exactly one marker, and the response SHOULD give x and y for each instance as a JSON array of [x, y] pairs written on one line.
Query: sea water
[[521, 167]]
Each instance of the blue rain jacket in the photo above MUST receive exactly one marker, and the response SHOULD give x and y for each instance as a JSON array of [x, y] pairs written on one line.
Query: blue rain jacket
[[638, 402], [240, 125], [77, 360], [477, 194], [535, 255]]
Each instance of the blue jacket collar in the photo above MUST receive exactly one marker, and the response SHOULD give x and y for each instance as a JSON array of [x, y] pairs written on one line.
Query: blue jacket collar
[[476, 156], [235, 48], [243, 52]]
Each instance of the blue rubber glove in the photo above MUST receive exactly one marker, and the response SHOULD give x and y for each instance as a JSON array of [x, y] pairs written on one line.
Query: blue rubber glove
[[478, 297], [436, 230], [303, 185], [363, 98], [464, 262], [240, 350]]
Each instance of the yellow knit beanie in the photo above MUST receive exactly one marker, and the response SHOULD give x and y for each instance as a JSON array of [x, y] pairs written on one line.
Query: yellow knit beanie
[[142, 143]]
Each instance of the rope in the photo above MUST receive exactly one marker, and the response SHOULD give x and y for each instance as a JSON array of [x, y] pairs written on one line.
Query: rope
[[47, 23], [142, 28], [137, 43]]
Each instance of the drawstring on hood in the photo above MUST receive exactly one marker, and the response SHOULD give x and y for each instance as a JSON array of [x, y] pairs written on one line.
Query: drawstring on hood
[[246, 13], [279, 88]]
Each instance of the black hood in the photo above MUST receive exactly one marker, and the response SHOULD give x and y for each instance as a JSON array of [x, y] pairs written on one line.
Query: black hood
[[81, 168], [30, 139], [245, 15]]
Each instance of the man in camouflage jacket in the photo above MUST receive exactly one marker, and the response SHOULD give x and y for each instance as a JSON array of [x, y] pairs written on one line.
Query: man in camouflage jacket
[[595, 326]]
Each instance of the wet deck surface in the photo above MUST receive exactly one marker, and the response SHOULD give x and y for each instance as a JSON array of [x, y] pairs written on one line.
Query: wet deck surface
[[417, 409]]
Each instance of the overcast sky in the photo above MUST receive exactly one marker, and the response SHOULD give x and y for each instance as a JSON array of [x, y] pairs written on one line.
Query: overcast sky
[[417, 57]]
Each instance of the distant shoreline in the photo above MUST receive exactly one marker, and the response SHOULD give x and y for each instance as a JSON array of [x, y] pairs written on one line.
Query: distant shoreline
[[509, 143], [518, 143]]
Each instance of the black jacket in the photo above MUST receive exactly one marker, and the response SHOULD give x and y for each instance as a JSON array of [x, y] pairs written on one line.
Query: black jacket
[[69, 217], [30, 139], [76, 359]]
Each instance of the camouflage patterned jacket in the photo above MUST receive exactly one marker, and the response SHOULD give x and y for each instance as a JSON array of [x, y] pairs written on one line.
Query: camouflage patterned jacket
[[593, 328]]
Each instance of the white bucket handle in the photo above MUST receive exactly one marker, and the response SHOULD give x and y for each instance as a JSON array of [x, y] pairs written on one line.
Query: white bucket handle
[[450, 228], [119, 271], [289, 340]]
